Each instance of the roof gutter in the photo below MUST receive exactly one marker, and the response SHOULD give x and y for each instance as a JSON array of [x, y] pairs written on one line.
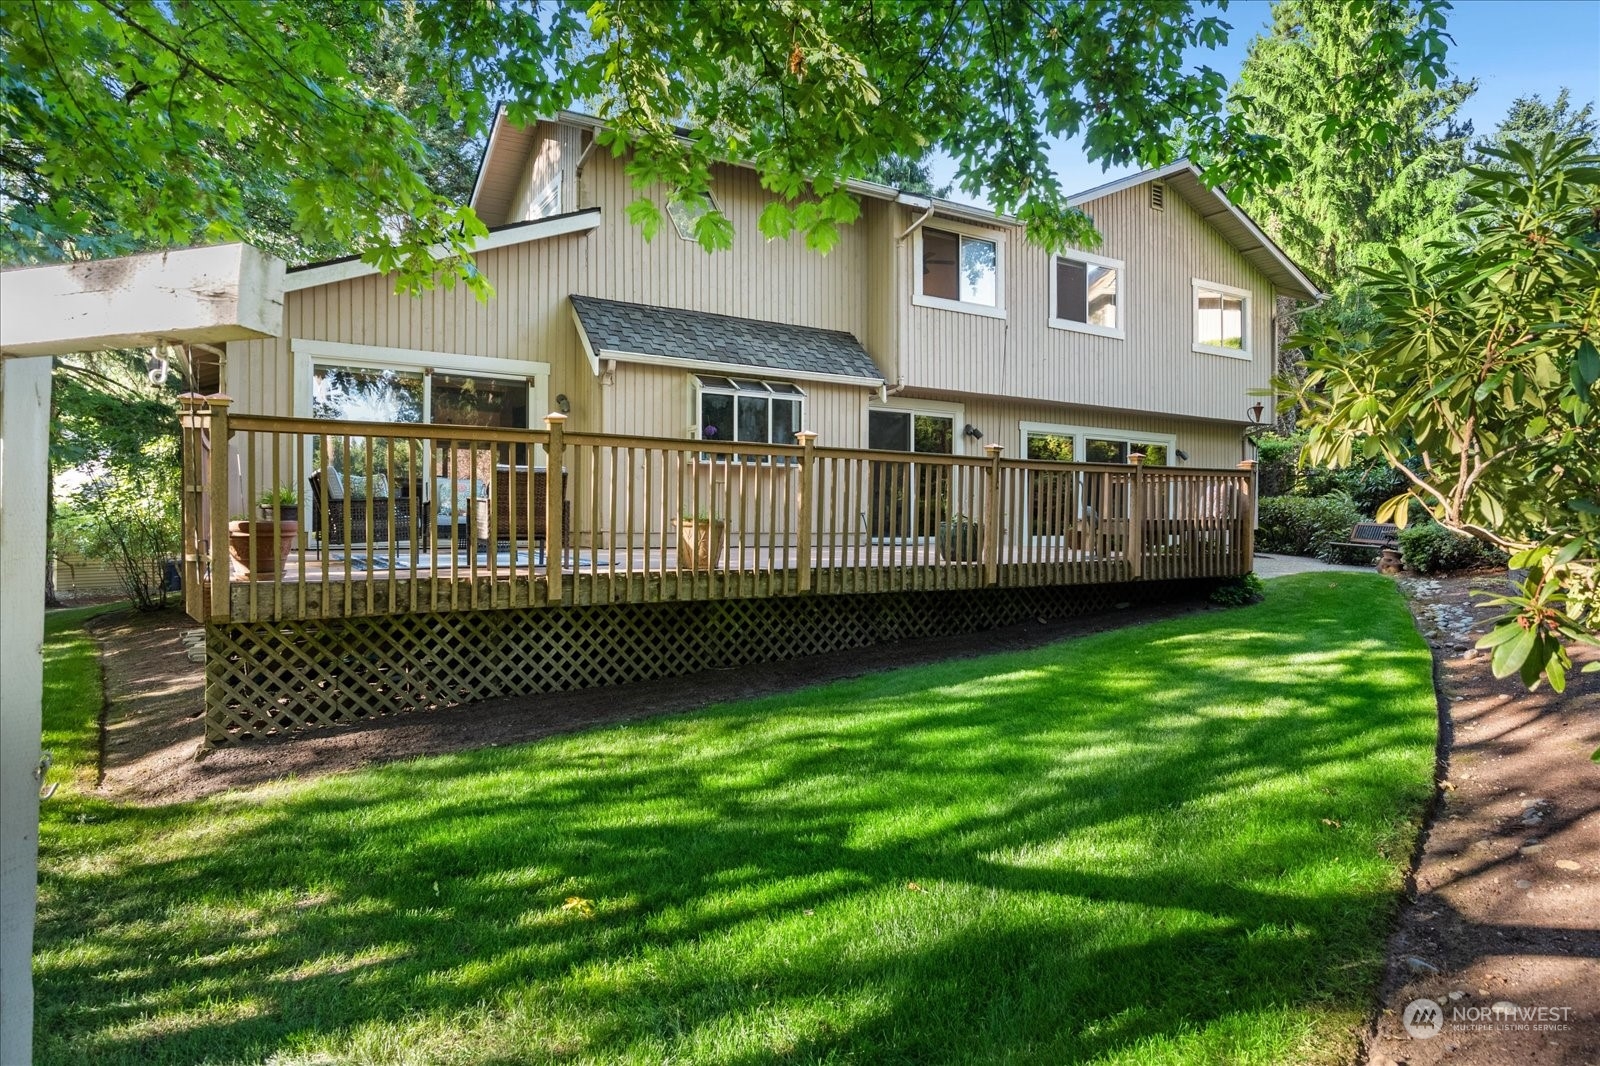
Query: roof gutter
[[914, 202]]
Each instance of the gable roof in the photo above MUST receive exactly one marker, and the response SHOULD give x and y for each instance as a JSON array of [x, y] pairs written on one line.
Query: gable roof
[[507, 147], [698, 340], [1222, 215]]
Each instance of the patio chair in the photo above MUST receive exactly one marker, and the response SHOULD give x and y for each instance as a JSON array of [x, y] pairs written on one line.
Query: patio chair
[[377, 508]]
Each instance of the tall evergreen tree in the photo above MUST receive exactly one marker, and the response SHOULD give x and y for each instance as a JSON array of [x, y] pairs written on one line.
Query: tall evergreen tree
[[1529, 120], [1348, 199]]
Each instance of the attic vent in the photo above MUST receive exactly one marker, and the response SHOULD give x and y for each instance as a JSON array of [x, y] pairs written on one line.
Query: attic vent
[[1158, 196]]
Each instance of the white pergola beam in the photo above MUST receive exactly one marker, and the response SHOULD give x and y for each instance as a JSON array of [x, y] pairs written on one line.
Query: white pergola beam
[[200, 295]]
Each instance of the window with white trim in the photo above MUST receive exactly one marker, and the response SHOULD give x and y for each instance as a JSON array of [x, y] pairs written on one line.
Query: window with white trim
[[893, 429], [959, 270], [1221, 319], [1079, 444], [747, 410], [686, 214], [1085, 294]]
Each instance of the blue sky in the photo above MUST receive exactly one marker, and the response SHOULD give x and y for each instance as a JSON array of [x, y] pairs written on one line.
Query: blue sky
[[1512, 47]]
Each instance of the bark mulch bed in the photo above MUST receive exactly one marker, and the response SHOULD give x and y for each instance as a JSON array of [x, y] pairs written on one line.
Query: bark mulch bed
[[1505, 906]]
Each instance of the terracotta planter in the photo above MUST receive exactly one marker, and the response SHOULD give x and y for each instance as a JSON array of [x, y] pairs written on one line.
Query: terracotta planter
[[270, 552], [700, 542]]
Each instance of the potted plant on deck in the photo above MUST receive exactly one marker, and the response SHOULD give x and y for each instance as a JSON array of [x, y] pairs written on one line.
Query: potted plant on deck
[[286, 500], [272, 541], [700, 538]]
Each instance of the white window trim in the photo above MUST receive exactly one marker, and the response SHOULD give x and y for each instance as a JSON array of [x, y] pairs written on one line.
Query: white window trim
[[710, 199], [1244, 318], [697, 388], [1080, 434], [995, 237], [307, 353], [956, 412], [1120, 331]]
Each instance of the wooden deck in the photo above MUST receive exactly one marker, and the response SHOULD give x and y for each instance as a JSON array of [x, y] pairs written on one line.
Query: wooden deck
[[648, 520]]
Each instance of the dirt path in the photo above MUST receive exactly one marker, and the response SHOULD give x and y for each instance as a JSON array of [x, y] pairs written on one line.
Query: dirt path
[[1506, 905], [154, 718]]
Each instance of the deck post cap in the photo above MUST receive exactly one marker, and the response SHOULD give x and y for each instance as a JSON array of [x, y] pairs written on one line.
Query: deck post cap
[[805, 436], [555, 416], [994, 450], [219, 399], [1136, 458], [1247, 464]]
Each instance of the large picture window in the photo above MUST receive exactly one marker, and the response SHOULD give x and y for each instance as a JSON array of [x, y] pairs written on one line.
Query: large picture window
[[748, 410], [1221, 320], [1086, 294], [959, 271]]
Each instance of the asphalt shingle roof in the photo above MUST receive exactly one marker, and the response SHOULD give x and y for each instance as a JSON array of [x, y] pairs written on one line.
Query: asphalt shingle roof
[[747, 343]]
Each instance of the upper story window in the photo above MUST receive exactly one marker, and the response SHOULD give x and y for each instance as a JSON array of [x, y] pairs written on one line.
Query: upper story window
[[748, 411], [1221, 319], [960, 270], [1086, 294], [686, 213]]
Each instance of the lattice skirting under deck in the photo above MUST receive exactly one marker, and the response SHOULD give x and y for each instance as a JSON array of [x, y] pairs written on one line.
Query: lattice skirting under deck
[[265, 677]]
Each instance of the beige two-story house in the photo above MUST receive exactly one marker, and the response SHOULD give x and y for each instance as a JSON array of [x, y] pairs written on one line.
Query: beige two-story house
[[931, 327], [640, 458]]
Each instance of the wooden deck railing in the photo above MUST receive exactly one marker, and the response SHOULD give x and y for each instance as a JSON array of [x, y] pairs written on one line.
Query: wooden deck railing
[[409, 517]]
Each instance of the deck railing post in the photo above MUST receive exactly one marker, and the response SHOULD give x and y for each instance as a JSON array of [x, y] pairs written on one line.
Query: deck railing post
[[555, 495], [221, 566], [1247, 538], [991, 517], [806, 506], [192, 498], [1136, 508]]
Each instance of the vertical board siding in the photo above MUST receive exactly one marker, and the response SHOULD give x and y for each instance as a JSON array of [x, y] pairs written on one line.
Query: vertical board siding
[[1004, 371], [1154, 369]]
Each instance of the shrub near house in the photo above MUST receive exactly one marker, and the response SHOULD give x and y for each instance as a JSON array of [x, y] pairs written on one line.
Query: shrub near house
[[1302, 525]]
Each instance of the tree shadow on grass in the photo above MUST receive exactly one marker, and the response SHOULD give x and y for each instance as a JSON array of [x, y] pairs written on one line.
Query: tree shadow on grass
[[1097, 847]]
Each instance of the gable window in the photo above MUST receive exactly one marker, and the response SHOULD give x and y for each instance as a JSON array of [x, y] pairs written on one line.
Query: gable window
[[685, 214], [747, 411], [959, 271], [1085, 294], [1221, 319]]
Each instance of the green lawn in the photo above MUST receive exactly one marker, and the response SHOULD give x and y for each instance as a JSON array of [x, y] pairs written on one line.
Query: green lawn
[[1177, 843]]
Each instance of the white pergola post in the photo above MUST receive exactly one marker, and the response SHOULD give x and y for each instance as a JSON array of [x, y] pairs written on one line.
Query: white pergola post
[[210, 295], [24, 480]]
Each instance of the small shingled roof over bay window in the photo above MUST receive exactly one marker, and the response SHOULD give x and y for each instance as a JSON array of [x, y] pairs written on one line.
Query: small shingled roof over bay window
[[719, 344]]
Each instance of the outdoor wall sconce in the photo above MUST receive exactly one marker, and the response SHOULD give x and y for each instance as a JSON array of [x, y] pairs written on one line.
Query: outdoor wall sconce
[[973, 431], [563, 404], [1255, 412], [1183, 456]]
